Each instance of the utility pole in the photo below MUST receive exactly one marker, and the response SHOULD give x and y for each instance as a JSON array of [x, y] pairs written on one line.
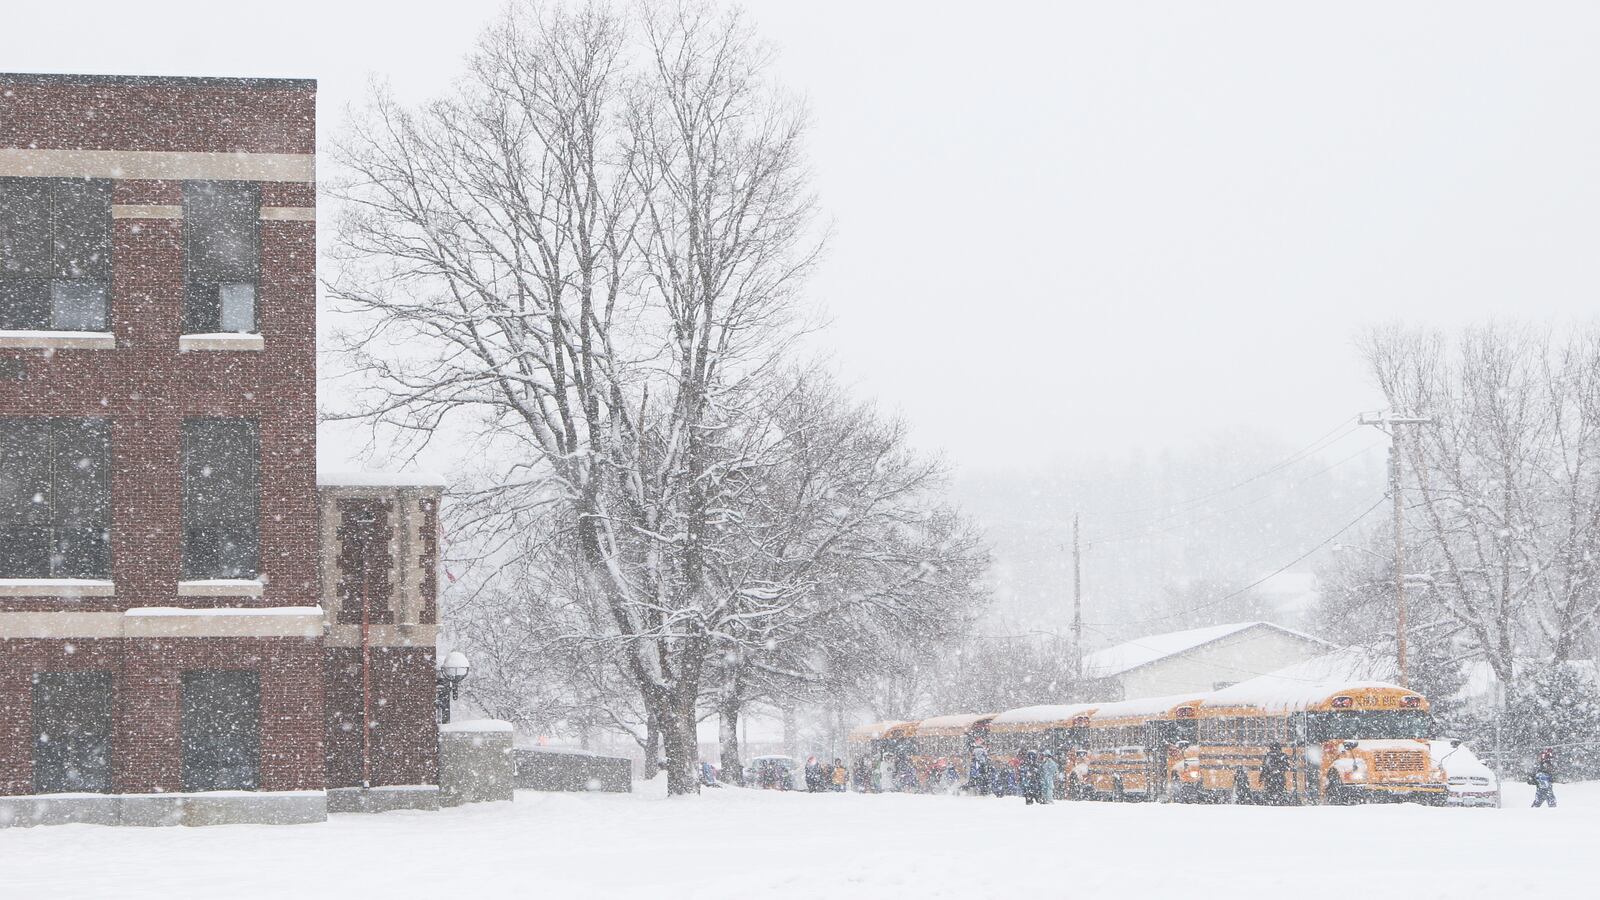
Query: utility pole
[[1077, 604], [1389, 423]]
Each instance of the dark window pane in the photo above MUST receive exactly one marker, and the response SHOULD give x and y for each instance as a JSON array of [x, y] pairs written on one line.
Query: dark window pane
[[72, 732], [82, 229], [222, 248], [24, 551], [221, 496], [24, 303], [221, 728], [55, 498], [78, 305], [25, 471], [25, 226]]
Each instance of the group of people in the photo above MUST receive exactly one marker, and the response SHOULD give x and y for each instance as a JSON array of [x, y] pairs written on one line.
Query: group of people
[[1035, 775], [821, 776]]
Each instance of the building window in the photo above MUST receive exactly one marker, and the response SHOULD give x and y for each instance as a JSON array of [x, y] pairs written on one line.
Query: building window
[[55, 498], [55, 254], [221, 498], [71, 732], [221, 256], [221, 725]]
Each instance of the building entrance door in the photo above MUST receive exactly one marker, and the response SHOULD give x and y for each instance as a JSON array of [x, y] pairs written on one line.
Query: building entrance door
[[221, 730]]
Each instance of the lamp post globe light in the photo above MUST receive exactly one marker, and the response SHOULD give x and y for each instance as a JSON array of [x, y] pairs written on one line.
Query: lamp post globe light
[[452, 672]]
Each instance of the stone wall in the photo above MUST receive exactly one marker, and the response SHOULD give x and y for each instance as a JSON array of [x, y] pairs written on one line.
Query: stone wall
[[539, 769], [476, 762]]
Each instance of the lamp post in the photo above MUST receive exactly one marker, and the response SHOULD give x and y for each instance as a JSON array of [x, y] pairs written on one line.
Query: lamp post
[[452, 672]]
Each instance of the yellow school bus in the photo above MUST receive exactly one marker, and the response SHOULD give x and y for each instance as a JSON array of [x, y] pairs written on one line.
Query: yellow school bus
[[1344, 742], [1133, 748], [1058, 729], [941, 748], [864, 746]]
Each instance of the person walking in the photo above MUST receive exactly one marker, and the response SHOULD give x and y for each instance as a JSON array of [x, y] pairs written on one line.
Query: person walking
[[980, 778], [1049, 771], [1544, 779], [838, 776], [1028, 776], [813, 775], [1274, 774]]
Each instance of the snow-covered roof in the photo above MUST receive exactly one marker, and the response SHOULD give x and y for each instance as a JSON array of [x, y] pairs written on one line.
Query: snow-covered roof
[[1271, 692], [1130, 655], [1146, 706], [1043, 715], [874, 731], [380, 479], [948, 724]]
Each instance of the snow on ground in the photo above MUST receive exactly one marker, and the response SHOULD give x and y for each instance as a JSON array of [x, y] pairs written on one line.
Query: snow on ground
[[738, 843]]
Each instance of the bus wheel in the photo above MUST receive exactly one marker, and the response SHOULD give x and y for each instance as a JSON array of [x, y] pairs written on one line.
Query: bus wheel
[[1333, 793]]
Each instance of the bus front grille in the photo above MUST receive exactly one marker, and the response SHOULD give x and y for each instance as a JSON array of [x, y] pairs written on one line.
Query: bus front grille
[[1399, 760]]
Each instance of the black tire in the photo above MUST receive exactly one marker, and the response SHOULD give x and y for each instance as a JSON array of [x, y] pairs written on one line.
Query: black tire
[[1333, 793]]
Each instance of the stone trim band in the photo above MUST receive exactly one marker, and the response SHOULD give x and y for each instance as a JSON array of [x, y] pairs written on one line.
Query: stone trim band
[[164, 622], [159, 165]]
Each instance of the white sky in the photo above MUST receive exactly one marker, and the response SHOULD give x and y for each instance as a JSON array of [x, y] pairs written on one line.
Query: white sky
[[1101, 226]]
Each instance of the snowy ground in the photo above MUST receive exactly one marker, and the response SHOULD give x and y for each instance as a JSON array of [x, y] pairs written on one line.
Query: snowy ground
[[735, 843]]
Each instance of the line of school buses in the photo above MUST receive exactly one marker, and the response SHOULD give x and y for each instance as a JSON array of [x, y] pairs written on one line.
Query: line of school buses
[[1336, 743]]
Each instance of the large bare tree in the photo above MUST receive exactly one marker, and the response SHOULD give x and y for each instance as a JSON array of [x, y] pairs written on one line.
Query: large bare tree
[[582, 265]]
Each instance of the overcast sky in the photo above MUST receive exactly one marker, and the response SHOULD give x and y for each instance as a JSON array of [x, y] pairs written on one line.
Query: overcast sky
[[1101, 226]]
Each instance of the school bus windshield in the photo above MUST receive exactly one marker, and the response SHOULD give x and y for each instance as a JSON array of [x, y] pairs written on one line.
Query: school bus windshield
[[1351, 725]]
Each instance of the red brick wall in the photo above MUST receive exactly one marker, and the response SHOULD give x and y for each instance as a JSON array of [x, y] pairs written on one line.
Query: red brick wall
[[146, 386], [146, 741], [405, 746], [196, 115]]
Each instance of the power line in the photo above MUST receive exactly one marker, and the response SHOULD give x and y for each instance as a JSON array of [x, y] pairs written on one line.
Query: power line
[[1258, 582], [1338, 433], [1145, 531]]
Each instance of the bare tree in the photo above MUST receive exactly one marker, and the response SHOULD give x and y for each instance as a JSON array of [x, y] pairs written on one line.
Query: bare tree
[[1506, 504], [591, 251]]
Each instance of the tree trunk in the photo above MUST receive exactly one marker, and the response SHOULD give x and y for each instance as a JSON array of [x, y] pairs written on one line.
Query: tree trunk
[[728, 728], [791, 734], [652, 748], [679, 740]]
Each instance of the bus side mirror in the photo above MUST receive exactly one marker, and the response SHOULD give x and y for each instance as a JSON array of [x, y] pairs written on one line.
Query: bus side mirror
[[1454, 743], [1183, 745], [1349, 745]]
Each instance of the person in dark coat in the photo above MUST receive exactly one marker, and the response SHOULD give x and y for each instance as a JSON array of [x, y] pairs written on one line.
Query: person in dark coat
[[1028, 776], [1544, 779], [813, 775], [1274, 774]]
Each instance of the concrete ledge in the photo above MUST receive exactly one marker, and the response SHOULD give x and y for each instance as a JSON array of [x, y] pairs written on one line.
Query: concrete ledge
[[383, 799], [60, 809], [57, 587], [236, 341], [154, 810], [57, 340]]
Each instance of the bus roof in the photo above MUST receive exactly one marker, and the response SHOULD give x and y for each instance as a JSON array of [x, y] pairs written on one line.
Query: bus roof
[[874, 731], [1285, 695], [1146, 706], [949, 725], [1044, 715]]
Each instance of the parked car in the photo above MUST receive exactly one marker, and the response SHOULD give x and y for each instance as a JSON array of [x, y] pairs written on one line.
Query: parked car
[[776, 773], [1471, 782]]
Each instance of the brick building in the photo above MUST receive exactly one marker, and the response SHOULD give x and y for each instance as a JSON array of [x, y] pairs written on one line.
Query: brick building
[[165, 558]]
